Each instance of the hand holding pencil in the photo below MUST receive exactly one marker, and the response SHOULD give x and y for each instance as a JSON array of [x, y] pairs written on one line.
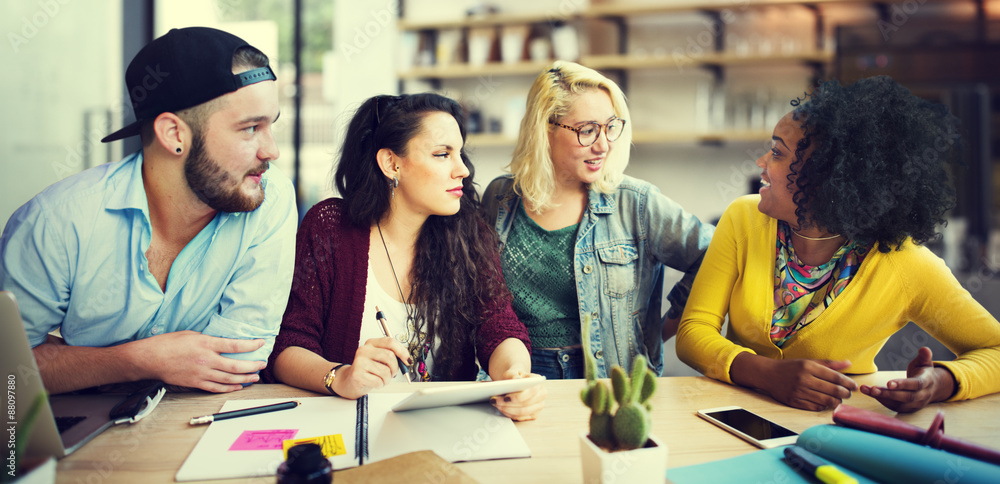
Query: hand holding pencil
[[385, 330], [372, 366]]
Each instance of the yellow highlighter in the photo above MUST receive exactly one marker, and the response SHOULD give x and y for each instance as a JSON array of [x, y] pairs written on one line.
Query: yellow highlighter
[[800, 458]]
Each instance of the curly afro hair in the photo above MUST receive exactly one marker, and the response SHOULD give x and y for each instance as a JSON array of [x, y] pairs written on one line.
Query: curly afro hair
[[878, 170]]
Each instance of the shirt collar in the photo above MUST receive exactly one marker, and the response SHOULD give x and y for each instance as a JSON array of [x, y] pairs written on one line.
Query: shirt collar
[[128, 191], [600, 202]]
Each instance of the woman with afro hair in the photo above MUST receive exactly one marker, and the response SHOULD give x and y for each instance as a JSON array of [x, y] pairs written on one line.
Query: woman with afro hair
[[826, 263]]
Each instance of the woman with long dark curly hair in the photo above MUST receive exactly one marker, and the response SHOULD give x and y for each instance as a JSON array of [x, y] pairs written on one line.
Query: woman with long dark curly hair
[[405, 238], [825, 264]]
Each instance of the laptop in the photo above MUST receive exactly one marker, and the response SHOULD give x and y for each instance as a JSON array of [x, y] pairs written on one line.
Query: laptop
[[66, 422]]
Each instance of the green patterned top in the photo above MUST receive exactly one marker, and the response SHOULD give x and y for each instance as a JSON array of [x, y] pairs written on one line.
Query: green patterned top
[[538, 267]]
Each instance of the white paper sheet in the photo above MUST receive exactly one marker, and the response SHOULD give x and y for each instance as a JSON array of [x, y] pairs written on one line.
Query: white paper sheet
[[316, 416], [462, 433]]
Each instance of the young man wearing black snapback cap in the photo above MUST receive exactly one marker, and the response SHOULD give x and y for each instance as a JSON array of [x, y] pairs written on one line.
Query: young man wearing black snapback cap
[[175, 263]]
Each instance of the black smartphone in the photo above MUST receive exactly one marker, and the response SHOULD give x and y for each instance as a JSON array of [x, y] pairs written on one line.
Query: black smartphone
[[136, 402], [749, 426]]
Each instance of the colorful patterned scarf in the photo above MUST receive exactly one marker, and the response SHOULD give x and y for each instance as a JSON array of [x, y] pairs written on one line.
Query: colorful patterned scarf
[[802, 292]]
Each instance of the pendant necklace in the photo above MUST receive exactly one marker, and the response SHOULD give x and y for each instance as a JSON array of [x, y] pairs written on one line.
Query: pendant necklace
[[418, 351]]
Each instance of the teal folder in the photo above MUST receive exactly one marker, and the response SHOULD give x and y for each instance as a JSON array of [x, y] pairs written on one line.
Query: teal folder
[[868, 457], [763, 466]]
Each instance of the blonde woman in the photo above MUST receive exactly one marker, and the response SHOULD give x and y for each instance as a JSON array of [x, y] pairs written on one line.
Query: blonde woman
[[578, 238]]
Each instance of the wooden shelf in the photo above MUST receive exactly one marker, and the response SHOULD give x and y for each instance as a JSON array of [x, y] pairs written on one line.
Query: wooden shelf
[[598, 10], [710, 58], [632, 10], [489, 140], [611, 10], [484, 20], [459, 71]]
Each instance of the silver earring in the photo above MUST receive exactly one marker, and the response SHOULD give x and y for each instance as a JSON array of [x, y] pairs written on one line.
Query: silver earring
[[392, 187]]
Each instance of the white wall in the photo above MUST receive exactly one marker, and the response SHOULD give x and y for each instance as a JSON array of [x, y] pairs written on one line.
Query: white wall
[[360, 66], [61, 59]]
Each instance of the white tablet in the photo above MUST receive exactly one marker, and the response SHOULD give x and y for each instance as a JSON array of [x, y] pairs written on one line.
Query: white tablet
[[464, 393]]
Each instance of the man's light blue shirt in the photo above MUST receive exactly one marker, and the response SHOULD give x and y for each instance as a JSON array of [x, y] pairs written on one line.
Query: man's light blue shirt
[[75, 258]]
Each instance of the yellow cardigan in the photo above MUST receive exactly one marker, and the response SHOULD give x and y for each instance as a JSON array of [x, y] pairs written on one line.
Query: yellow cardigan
[[889, 290]]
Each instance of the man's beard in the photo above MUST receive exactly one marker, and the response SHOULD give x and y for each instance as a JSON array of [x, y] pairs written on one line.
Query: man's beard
[[213, 186]]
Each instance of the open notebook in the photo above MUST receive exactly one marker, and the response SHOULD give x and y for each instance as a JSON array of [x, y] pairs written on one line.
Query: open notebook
[[368, 429]]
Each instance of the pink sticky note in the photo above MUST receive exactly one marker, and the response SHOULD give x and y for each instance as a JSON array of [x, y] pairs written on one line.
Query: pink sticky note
[[262, 439]]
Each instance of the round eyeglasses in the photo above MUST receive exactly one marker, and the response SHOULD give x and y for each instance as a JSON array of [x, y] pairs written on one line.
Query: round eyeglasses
[[588, 133]]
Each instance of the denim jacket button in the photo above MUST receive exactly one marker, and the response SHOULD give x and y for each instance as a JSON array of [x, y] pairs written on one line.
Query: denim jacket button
[[565, 358], [587, 269], [599, 354]]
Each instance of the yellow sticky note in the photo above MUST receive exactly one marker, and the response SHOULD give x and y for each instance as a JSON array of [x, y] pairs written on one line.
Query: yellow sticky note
[[331, 444]]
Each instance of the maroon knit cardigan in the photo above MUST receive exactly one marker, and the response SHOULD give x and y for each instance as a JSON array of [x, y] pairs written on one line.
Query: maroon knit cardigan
[[326, 303]]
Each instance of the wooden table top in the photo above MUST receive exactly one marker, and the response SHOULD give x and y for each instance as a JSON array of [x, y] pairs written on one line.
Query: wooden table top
[[153, 450]]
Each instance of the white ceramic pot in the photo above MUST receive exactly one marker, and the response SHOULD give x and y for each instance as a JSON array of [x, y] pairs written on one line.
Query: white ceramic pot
[[648, 464]]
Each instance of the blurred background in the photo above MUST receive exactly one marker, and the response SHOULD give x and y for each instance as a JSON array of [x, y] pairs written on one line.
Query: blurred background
[[706, 81]]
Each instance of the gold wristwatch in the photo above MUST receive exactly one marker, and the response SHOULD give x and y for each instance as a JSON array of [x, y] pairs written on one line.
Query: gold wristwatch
[[332, 377]]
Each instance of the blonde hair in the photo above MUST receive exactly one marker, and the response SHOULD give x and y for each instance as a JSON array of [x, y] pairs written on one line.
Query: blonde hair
[[550, 98]]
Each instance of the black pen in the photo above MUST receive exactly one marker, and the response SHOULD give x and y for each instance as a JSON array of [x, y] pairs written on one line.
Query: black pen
[[385, 330], [243, 413]]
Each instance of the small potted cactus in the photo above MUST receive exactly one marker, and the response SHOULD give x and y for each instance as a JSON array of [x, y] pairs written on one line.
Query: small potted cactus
[[619, 447]]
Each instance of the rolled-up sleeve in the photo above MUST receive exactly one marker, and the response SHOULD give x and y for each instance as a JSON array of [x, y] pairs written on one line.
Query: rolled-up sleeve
[[254, 300], [35, 265]]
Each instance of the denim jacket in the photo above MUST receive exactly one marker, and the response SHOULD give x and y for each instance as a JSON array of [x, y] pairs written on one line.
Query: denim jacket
[[623, 241]]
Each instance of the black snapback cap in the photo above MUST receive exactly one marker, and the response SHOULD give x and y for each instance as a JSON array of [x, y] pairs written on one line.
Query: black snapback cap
[[183, 68]]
